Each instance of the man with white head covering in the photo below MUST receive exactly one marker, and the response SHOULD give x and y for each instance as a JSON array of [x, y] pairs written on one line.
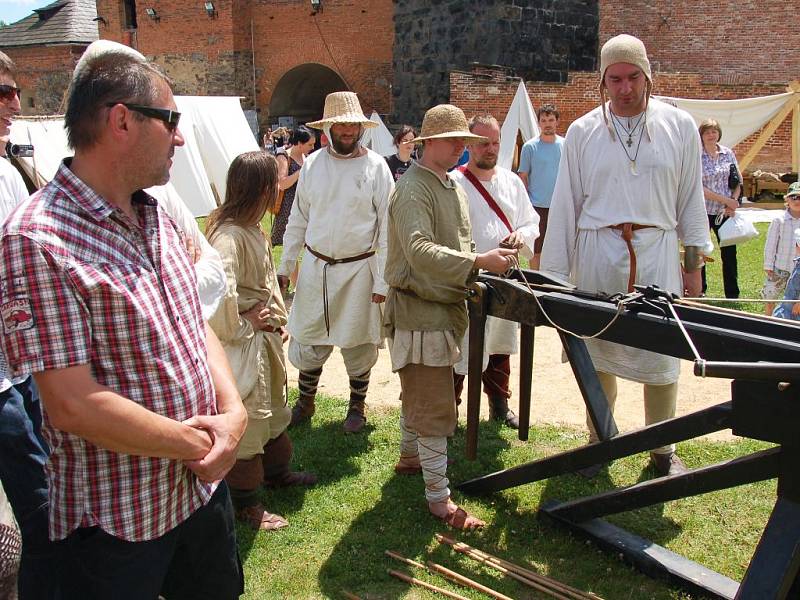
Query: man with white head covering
[[339, 216], [628, 190], [499, 213], [99, 301], [429, 265]]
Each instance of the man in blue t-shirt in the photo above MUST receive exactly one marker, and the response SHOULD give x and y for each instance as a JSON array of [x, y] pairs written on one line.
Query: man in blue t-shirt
[[538, 169]]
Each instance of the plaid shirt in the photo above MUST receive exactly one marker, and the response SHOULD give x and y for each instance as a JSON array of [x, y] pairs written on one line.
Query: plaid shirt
[[715, 176], [80, 284], [779, 248]]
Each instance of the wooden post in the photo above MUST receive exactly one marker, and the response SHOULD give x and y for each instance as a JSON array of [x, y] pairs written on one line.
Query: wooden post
[[770, 128]]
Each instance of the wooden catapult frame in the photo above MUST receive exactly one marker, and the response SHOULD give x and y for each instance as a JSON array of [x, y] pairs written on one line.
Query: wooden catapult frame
[[761, 356]]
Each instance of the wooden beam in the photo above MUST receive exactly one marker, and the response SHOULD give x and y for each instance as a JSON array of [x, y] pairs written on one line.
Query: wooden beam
[[767, 132]]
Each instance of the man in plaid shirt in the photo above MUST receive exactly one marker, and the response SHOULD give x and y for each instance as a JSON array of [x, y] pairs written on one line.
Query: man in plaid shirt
[[99, 302]]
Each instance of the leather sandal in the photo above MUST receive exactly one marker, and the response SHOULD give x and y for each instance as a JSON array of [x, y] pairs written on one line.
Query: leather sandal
[[460, 519], [256, 517], [355, 420], [302, 412]]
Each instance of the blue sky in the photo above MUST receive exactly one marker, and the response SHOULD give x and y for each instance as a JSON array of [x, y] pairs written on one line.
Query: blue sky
[[14, 10]]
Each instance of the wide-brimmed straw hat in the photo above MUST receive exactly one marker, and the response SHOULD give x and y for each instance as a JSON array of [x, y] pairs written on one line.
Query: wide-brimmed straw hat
[[447, 121], [342, 107]]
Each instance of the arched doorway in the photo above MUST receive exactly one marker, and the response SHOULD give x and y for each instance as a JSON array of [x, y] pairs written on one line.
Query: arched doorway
[[301, 92]]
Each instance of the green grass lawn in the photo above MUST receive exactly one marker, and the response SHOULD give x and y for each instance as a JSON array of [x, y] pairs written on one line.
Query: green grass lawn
[[750, 258], [340, 529]]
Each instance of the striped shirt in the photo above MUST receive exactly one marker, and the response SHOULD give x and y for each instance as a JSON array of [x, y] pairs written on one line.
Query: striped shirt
[[715, 176], [81, 283], [779, 248]]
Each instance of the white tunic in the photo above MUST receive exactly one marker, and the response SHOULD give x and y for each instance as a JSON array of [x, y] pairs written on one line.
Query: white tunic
[[508, 191], [339, 210], [211, 281], [597, 188], [12, 192]]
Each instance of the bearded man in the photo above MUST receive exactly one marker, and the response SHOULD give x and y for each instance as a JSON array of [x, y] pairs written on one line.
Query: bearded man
[[500, 214], [628, 190], [339, 216]]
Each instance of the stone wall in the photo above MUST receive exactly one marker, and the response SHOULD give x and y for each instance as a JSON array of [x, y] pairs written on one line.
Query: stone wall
[[43, 73], [536, 39]]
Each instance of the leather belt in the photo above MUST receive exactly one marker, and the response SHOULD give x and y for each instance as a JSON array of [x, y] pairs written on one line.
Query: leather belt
[[328, 260], [627, 230]]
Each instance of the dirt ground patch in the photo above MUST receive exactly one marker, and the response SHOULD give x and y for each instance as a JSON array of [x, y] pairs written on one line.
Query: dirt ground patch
[[555, 397]]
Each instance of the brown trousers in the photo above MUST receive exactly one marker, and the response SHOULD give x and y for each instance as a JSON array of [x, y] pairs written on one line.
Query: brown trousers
[[429, 404], [495, 378]]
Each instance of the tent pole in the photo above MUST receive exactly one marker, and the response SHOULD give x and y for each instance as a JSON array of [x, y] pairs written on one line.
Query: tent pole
[[767, 132]]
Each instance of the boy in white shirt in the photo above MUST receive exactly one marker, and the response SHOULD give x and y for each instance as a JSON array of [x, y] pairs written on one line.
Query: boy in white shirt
[[779, 249]]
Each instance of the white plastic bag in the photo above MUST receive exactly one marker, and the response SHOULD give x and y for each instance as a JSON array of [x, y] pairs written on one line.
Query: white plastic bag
[[736, 230]]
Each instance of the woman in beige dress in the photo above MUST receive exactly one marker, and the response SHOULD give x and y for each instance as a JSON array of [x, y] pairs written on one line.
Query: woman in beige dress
[[250, 324]]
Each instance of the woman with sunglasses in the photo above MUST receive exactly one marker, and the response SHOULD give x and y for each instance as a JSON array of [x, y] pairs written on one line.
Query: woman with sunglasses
[[399, 163], [250, 324]]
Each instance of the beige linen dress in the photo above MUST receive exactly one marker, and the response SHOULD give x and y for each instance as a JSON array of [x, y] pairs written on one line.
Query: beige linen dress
[[256, 357]]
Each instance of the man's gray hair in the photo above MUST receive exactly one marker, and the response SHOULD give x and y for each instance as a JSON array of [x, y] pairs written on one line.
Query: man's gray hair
[[482, 119], [106, 79]]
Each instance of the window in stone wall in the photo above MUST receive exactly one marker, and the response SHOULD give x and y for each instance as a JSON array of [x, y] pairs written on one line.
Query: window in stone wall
[[129, 13]]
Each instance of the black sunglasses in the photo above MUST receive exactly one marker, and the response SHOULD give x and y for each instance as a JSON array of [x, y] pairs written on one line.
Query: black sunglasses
[[169, 117], [7, 92]]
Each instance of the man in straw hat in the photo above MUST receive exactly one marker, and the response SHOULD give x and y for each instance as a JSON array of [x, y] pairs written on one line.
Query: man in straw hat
[[629, 188], [429, 266], [339, 216], [499, 213], [99, 301]]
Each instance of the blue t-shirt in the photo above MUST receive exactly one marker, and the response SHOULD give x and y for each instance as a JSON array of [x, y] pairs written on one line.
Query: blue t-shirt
[[539, 161]]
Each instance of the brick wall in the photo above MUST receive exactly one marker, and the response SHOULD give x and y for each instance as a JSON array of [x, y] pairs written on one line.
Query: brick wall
[[487, 89], [43, 73], [207, 56], [354, 39], [733, 41]]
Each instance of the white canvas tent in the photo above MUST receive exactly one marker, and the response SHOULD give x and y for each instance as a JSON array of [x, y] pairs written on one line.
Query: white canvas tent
[[215, 131], [379, 139], [743, 117], [520, 118]]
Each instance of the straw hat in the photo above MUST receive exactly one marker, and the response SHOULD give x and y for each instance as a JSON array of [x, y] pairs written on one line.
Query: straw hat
[[342, 107], [447, 121]]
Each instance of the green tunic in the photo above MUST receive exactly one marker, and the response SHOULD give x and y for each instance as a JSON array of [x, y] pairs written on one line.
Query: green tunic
[[430, 261]]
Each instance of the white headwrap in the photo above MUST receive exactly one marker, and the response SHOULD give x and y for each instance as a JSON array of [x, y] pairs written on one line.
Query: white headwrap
[[623, 48]]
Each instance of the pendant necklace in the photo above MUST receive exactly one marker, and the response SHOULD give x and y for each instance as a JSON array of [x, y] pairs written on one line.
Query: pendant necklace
[[631, 131], [629, 142]]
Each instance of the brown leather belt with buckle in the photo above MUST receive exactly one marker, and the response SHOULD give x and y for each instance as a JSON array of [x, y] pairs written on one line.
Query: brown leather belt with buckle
[[627, 230], [328, 260]]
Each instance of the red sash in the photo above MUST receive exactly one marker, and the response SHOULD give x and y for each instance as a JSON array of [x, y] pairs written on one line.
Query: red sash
[[486, 196]]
